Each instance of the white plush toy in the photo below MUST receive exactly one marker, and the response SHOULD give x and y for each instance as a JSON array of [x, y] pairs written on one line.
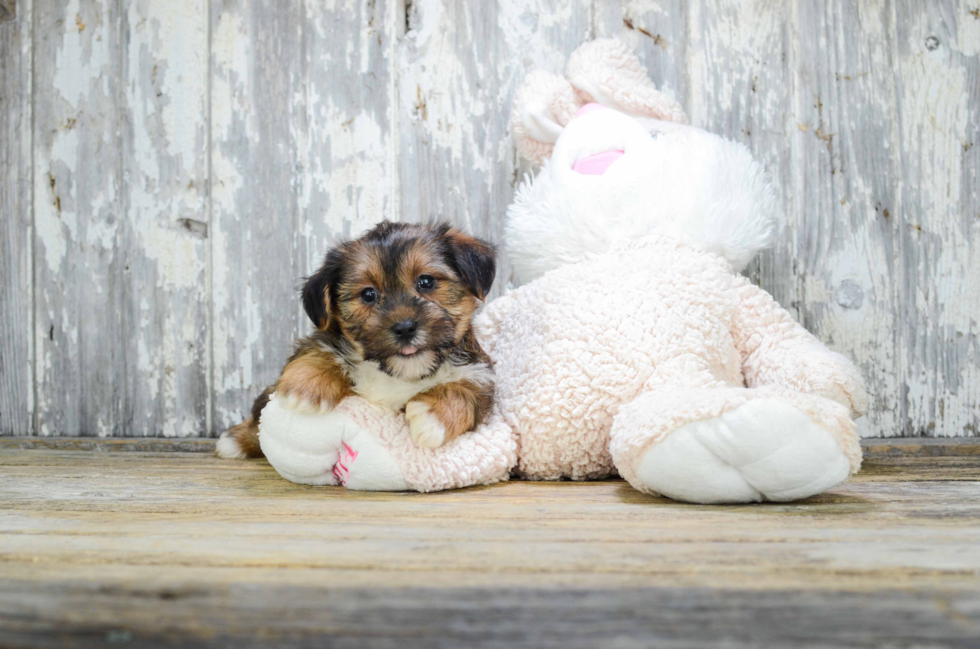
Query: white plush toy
[[633, 347]]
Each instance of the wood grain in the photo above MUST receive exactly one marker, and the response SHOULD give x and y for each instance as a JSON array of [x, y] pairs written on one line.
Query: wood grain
[[257, 112], [937, 56], [882, 226], [189, 163], [182, 549], [162, 374], [16, 223], [242, 616], [81, 233], [459, 66], [119, 183]]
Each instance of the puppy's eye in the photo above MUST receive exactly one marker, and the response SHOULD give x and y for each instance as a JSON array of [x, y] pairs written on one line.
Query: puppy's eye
[[369, 296], [425, 283]]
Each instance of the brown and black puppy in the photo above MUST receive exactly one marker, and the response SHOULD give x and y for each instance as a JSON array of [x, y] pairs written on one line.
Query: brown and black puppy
[[392, 312]]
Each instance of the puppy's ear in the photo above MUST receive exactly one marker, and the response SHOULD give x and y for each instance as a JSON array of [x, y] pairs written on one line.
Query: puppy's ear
[[474, 259], [317, 289]]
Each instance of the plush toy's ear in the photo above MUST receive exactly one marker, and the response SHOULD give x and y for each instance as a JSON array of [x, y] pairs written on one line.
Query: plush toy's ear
[[317, 297], [543, 105], [605, 71], [474, 259]]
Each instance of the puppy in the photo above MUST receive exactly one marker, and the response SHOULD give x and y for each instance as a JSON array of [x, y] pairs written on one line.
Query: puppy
[[392, 312]]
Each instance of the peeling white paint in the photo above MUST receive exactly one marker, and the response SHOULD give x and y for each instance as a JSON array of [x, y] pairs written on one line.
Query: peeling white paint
[[854, 109], [179, 263], [73, 78], [735, 34], [246, 341], [968, 29], [449, 111]]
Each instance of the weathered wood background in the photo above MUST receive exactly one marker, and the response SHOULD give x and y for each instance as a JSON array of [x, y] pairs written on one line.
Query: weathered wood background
[[170, 168]]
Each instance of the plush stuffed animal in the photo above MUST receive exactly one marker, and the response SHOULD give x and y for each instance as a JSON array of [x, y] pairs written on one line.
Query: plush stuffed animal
[[633, 347]]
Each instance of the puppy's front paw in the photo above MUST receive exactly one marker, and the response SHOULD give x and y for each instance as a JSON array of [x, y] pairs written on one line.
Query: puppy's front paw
[[424, 427], [303, 404], [312, 384]]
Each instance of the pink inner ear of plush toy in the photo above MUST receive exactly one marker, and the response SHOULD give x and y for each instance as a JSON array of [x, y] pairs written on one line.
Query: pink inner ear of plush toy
[[596, 165], [589, 108]]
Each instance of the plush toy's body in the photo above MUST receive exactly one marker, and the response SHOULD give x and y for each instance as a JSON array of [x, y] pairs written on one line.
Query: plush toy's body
[[603, 362], [633, 347]]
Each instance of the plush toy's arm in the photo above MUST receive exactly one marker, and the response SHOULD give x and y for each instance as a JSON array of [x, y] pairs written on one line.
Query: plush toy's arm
[[777, 350]]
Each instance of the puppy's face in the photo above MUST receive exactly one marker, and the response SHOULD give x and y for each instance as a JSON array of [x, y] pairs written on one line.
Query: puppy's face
[[403, 294]]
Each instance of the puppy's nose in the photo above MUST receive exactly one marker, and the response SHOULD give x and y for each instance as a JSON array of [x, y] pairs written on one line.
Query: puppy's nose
[[405, 329]]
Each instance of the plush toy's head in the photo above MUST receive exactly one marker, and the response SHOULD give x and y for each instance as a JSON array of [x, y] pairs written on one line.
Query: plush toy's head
[[624, 168]]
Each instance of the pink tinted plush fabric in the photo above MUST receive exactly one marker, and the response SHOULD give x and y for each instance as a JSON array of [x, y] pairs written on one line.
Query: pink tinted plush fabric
[[589, 108], [656, 320], [597, 163]]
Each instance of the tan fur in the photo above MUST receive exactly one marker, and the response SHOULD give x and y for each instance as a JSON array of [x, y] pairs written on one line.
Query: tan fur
[[323, 323], [365, 269], [463, 405], [417, 261], [421, 259], [463, 311], [459, 407], [314, 376], [246, 434]]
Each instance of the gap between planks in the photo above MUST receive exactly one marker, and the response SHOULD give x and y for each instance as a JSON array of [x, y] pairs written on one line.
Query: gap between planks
[[878, 447]]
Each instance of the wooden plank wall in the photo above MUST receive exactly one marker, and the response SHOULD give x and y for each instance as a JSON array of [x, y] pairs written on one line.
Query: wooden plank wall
[[171, 169], [16, 227]]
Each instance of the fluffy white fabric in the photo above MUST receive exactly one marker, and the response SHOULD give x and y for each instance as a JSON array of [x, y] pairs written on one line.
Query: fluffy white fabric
[[763, 450], [682, 180], [601, 360]]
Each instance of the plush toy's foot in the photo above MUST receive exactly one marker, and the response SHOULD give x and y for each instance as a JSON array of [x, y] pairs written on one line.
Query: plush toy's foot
[[752, 446], [764, 450], [362, 445], [326, 449]]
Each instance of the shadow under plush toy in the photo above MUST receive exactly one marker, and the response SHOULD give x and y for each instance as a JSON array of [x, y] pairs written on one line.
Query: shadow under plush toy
[[633, 347]]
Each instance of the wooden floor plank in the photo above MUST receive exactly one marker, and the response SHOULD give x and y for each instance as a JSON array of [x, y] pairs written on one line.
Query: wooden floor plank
[[182, 549], [466, 617]]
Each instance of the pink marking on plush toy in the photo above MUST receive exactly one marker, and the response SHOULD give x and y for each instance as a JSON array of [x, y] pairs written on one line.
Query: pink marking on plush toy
[[342, 468], [589, 108], [596, 165], [349, 452]]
